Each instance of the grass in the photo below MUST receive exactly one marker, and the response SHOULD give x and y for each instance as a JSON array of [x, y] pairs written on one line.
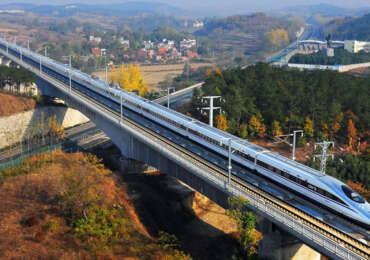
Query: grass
[[11, 104], [154, 74], [69, 206]]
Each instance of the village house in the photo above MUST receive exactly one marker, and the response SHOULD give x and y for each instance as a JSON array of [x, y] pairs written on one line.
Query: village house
[[96, 52], [187, 44]]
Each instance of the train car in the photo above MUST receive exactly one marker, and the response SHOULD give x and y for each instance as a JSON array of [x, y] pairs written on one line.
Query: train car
[[320, 188]]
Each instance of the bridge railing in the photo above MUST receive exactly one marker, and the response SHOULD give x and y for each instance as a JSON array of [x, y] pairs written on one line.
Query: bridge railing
[[313, 231]]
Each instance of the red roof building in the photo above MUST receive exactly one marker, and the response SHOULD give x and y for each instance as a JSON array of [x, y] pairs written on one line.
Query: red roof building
[[96, 51], [191, 54], [162, 50], [142, 53]]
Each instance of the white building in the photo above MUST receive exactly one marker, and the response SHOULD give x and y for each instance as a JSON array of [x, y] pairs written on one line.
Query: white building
[[187, 44], [198, 24], [148, 45], [95, 39], [124, 42], [356, 46]]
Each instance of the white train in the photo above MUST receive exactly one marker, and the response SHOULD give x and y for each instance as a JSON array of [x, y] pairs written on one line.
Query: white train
[[310, 183]]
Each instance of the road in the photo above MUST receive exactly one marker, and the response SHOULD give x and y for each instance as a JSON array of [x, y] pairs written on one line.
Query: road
[[84, 136], [309, 32], [178, 97]]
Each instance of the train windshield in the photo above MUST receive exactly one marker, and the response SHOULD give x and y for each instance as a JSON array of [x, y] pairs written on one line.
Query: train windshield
[[352, 194]]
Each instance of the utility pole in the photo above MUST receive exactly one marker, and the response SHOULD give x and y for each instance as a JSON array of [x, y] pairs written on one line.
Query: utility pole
[[211, 107], [168, 97], [46, 51], [106, 74], [324, 155], [284, 139], [229, 166], [120, 109], [70, 76], [28, 44], [294, 142]]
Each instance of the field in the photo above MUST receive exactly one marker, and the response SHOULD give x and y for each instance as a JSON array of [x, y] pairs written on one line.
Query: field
[[153, 74]]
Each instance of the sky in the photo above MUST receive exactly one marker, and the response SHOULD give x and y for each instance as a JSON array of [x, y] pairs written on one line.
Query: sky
[[235, 6]]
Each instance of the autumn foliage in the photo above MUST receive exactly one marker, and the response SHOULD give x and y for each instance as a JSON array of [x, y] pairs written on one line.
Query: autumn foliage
[[351, 133], [221, 122], [129, 78], [69, 206], [10, 104], [358, 187], [247, 236], [277, 37]]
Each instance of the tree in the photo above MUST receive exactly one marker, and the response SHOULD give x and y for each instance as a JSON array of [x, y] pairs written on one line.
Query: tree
[[257, 127], [221, 122], [337, 124], [56, 130], [247, 236], [276, 129], [351, 133], [129, 78], [277, 38], [308, 127], [244, 131]]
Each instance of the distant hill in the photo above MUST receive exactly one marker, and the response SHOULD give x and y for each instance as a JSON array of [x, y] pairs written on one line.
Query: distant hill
[[119, 9], [247, 32], [349, 28], [325, 10]]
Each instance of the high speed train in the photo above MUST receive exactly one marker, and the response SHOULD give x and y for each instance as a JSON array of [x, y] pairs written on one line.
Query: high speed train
[[322, 189]]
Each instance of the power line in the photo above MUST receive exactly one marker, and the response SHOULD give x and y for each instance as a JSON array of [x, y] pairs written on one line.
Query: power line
[[284, 139], [211, 108], [324, 155]]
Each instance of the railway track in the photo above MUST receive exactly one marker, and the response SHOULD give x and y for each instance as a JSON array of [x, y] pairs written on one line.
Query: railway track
[[319, 226], [316, 224]]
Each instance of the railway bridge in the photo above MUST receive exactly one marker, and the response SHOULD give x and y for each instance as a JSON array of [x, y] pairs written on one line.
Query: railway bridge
[[139, 142]]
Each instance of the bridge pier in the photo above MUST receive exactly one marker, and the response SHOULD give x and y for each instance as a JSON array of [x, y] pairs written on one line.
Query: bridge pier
[[278, 244]]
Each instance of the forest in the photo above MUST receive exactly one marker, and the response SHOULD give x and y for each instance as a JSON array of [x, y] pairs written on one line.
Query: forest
[[15, 76], [341, 56], [324, 103], [349, 28], [349, 167], [263, 101]]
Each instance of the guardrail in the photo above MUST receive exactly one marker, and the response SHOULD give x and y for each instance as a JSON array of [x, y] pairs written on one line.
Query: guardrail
[[163, 99], [308, 228]]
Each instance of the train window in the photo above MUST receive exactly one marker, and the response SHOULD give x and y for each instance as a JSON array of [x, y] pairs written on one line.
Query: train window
[[352, 194]]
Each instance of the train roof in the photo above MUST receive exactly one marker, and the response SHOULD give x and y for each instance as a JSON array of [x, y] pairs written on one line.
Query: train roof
[[216, 133]]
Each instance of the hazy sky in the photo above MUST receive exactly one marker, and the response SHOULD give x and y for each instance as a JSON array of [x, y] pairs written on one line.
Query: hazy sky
[[221, 6]]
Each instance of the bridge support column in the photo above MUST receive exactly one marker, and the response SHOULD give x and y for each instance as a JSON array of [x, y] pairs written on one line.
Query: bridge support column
[[280, 245]]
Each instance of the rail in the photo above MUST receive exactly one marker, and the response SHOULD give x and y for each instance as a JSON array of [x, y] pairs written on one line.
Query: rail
[[178, 93], [268, 202]]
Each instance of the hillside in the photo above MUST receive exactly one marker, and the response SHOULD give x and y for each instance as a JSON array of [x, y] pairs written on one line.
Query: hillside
[[263, 100], [115, 9], [68, 206], [322, 9], [247, 34], [349, 28], [10, 104]]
